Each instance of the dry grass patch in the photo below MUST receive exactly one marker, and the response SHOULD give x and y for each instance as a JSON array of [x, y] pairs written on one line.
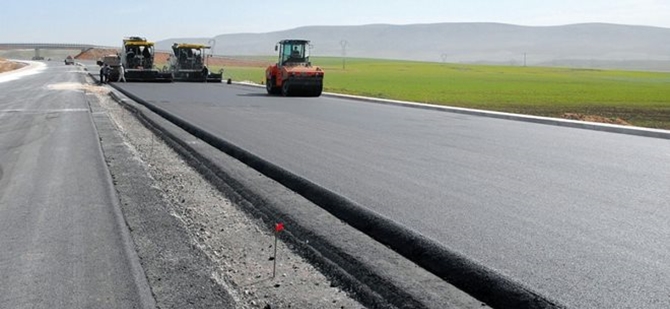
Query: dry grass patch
[[6, 66], [595, 118]]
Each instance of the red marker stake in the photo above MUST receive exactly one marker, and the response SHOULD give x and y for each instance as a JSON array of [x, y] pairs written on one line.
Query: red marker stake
[[278, 228]]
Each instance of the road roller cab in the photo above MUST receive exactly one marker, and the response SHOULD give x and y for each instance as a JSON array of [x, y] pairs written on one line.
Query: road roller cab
[[293, 74]]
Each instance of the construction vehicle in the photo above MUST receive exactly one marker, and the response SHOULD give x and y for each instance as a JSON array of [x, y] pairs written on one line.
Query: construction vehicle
[[69, 60], [187, 64], [114, 64], [293, 74], [137, 57]]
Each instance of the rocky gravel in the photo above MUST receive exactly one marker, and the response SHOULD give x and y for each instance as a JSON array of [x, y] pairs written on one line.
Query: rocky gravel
[[238, 244]]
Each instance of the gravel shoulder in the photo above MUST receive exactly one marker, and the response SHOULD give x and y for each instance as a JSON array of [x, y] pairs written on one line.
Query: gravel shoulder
[[199, 249], [229, 209]]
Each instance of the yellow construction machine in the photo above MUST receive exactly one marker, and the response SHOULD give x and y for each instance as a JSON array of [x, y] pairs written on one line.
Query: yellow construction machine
[[188, 64], [137, 57]]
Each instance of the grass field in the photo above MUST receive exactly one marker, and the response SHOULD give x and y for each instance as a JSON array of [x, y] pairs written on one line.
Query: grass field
[[640, 98]]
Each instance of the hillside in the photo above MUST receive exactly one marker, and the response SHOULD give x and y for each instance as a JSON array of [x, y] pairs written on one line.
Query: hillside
[[582, 45]]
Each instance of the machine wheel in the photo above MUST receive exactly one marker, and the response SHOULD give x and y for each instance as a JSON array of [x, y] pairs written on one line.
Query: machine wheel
[[270, 86], [317, 92], [286, 88]]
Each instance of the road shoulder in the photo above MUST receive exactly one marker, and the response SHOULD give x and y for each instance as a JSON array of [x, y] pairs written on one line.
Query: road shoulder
[[371, 272], [179, 274], [199, 249]]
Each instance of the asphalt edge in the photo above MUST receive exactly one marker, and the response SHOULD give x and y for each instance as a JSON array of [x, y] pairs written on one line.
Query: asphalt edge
[[177, 276], [238, 193], [473, 278], [145, 293], [594, 126]]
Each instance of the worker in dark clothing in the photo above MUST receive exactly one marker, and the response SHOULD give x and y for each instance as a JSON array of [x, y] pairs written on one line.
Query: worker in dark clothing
[[146, 53], [130, 57], [105, 70], [102, 72], [146, 57], [204, 72]]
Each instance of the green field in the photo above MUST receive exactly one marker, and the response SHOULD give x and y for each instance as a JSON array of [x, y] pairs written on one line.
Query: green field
[[640, 98]]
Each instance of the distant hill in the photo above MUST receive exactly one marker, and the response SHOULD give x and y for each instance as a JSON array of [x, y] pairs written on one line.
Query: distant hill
[[583, 45]]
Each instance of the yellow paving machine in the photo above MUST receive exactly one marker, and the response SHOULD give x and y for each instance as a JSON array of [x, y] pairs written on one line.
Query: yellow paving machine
[[137, 57], [188, 64]]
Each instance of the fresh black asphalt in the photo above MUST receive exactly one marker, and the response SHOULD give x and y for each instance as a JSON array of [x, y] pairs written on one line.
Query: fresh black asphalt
[[579, 216]]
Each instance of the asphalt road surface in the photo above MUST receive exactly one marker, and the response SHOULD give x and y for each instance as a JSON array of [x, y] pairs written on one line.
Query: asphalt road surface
[[579, 216], [61, 232]]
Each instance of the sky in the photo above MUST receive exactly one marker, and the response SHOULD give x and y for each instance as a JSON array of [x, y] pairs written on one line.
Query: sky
[[107, 22]]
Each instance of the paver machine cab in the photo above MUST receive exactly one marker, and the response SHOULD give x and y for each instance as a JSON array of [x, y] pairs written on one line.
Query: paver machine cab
[[137, 57], [293, 74], [188, 64]]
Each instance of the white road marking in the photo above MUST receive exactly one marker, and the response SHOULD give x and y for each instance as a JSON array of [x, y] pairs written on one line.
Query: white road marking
[[42, 111]]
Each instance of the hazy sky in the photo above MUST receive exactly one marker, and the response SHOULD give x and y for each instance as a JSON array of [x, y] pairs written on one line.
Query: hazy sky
[[107, 22]]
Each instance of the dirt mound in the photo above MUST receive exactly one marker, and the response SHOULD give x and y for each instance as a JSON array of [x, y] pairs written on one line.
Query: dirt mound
[[161, 57], [6, 66], [595, 118], [95, 54]]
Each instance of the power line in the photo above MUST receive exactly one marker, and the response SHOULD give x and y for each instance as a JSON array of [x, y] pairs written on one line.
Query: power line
[[344, 45]]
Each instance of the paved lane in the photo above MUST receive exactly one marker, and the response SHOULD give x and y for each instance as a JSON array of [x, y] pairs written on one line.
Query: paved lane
[[61, 233], [580, 216]]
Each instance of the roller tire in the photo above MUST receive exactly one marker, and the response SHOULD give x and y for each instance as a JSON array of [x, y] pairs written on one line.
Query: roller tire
[[269, 86], [317, 92], [286, 89]]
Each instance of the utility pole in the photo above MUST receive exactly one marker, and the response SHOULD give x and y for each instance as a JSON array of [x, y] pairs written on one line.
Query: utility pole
[[524, 59], [344, 44], [211, 43], [444, 58]]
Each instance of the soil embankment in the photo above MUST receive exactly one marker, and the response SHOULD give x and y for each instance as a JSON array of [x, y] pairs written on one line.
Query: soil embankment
[[95, 54], [6, 65]]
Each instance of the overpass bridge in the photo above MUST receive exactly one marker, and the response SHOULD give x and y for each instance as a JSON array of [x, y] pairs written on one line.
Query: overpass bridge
[[40, 46]]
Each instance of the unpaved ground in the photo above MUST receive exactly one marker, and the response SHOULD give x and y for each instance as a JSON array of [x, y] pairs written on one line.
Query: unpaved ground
[[595, 118], [237, 243], [6, 66], [95, 54]]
